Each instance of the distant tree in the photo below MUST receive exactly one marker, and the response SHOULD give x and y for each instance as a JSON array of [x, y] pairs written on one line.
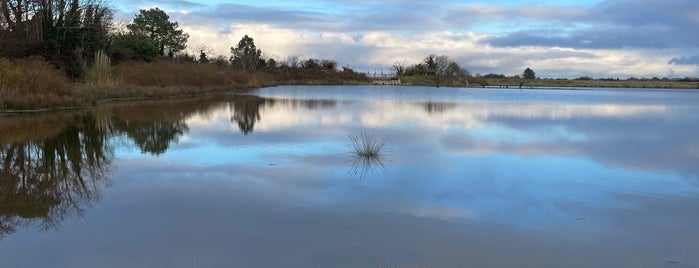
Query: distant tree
[[329, 64], [129, 46], [155, 24], [430, 61], [202, 57], [399, 67], [220, 61], [246, 56], [310, 64], [419, 69], [291, 62], [528, 74], [492, 75], [271, 64]]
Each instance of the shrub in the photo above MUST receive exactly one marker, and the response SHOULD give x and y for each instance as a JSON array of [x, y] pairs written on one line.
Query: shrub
[[32, 82]]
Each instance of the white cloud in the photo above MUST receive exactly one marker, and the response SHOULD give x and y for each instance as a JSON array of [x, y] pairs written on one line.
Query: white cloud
[[374, 49]]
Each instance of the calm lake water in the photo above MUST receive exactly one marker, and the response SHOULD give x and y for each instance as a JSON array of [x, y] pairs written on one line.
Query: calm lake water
[[468, 178]]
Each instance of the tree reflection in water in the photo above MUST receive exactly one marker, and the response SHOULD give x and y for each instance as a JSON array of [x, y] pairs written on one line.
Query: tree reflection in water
[[246, 112], [437, 107], [53, 165], [53, 172]]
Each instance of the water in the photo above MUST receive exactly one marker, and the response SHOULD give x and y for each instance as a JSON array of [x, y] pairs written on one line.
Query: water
[[468, 178]]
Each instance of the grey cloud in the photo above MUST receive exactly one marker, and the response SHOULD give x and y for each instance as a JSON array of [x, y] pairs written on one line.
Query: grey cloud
[[235, 12], [469, 13], [382, 17], [691, 60], [618, 24], [608, 37], [168, 3]]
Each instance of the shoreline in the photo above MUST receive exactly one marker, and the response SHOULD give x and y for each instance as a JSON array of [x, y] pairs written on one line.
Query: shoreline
[[216, 91]]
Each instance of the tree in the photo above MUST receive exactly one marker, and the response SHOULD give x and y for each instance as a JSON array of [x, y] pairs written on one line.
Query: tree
[[444, 68], [430, 61], [67, 33], [399, 67], [311, 64], [154, 23], [202, 57], [529, 74], [246, 56], [129, 46]]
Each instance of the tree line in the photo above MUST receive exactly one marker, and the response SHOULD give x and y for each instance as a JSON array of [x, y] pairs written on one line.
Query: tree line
[[70, 33], [65, 33]]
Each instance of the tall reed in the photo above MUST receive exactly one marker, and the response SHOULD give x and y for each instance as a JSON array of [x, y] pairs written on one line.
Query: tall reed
[[100, 73]]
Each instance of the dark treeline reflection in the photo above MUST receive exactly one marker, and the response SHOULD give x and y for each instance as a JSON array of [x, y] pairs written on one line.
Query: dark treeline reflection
[[246, 109], [53, 165], [437, 107], [246, 112]]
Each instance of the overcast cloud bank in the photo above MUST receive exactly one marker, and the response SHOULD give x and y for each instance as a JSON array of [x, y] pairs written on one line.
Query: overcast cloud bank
[[604, 39]]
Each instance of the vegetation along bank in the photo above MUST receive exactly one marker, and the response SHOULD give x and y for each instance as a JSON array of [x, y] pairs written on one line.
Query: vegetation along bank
[[70, 54]]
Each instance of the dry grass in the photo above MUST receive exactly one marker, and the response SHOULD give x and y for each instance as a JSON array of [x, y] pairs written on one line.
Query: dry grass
[[27, 84], [32, 83], [184, 74], [24, 82], [314, 76], [100, 73]]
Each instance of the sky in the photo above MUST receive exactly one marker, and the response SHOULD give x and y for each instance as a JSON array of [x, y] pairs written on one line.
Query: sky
[[557, 39]]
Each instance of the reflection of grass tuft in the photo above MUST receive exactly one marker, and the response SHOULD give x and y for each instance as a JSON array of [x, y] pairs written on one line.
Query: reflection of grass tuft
[[367, 152], [366, 145]]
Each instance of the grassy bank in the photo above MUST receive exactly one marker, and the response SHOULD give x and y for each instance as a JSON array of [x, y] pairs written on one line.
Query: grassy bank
[[29, 84], [33, 84], [431, 80]]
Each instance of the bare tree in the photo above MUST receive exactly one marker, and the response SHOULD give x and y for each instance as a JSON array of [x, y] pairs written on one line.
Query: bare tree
[[399, 67]]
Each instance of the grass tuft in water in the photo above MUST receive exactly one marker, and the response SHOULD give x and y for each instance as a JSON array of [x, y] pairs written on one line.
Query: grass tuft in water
[[366, 145], [367, 152]]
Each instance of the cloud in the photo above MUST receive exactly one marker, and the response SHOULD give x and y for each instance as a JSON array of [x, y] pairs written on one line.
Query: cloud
[[610, 39], [488, 13], [691, 60], [611, 24], [166, 3], [235, 13]]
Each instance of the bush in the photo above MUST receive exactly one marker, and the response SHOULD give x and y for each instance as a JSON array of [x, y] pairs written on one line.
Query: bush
[[28, 82]]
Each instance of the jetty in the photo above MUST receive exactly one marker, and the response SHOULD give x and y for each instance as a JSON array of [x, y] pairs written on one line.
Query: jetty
[[384, 79]]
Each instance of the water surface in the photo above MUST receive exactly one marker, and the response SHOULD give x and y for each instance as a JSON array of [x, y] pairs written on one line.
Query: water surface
[[470, 178]]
